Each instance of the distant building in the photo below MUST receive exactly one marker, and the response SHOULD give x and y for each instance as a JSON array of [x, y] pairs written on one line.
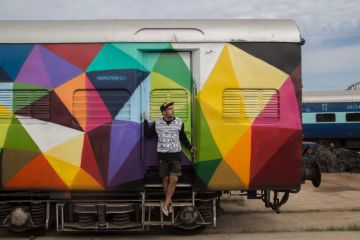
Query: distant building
[[355, 86]]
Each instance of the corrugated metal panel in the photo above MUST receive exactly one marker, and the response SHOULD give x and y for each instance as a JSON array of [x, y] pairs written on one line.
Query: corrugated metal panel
[[6, 102], [88, 104], [37, 100], [249, 103], [180, 97], [165, 30]]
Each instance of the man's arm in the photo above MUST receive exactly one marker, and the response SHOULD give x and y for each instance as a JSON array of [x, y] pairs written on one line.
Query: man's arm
[[149, 131], [183, 138]]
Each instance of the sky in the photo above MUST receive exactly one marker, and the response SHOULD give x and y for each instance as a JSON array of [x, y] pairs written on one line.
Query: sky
[[331, 28]]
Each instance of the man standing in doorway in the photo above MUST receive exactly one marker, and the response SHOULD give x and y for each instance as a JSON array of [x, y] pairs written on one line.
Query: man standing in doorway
[[170, 132]]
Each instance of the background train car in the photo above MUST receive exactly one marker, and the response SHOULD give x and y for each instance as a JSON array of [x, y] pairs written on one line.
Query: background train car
[[71, 138], [333, 116]]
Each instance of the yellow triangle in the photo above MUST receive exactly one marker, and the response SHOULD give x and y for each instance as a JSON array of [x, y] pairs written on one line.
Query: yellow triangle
[[226, 134], [69, 151], [225, 178], [4, 126], [66, 92], [239, 157], [83, 180], [67, 172]]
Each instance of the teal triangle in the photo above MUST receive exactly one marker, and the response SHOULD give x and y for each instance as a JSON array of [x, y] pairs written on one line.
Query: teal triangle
[[110, 58]]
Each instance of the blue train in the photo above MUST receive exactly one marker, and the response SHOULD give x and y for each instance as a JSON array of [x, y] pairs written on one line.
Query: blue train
[[333, 116]]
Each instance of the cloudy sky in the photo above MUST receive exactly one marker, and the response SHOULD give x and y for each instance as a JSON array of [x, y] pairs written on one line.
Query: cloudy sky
[[331, 55]]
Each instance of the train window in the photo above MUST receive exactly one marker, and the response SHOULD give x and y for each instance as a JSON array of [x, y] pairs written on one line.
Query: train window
[[250, 103], [325, 117], [5, 104], [32, 104], [353, 117], [179, 96], [97, 104]]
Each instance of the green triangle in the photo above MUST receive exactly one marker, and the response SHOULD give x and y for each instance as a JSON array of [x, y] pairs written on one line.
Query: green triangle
[[173, 67], [206, 147], [4, 126], [152, 51], [22, 97], [17, 138], [110, 57], [205, 169]]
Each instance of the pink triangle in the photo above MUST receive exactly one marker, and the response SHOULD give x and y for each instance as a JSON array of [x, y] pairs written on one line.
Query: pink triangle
[[97, 113], [33, 70]]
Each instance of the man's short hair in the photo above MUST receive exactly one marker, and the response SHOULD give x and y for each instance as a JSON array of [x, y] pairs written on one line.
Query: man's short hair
[[165, 105]]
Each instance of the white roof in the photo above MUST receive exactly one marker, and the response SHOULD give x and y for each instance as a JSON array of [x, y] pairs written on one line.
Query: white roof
[[331, 96], [175, 30]]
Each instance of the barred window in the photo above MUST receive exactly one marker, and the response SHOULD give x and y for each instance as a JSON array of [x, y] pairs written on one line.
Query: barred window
[[26, 103], [250, 103], [180, 97], [97, 104]]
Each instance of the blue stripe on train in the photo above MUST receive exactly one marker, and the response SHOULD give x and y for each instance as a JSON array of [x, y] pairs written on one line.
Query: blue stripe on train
[[331, 131], [330, 107]]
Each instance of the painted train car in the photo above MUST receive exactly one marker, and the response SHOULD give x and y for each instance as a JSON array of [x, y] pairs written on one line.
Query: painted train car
[[73, 153], [333, 116]]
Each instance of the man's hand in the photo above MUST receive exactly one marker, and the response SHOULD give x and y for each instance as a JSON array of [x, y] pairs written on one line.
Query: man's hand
[[144, 116], [193, 149]]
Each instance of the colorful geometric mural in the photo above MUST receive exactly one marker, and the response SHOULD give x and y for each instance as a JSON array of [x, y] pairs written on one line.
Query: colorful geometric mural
[[70, 114]]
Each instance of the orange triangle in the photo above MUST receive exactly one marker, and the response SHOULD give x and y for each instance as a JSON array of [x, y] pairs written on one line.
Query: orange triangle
[[84, 181], [37, 174], [72, 95]]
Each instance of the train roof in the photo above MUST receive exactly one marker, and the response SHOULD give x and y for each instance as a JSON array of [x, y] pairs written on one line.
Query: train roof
[[175, 30], [331, 96]]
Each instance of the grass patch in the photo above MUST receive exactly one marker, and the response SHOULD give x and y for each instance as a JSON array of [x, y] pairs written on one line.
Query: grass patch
[[353, 228]]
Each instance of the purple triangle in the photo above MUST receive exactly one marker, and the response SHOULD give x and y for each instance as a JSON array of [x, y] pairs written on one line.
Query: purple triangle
[[131, 170], [124, 136], [60, 71], [33, 70]]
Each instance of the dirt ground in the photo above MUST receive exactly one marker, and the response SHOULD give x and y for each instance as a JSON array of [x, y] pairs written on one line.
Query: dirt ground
[[335, 205]]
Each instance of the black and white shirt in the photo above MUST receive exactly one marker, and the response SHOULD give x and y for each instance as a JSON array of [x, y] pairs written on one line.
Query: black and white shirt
[[170, 134]]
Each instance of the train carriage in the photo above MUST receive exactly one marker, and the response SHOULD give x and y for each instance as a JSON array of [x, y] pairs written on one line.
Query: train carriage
[[71, 136]]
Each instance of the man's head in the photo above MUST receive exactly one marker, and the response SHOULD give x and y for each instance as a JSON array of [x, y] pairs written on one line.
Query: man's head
[[167, 109]]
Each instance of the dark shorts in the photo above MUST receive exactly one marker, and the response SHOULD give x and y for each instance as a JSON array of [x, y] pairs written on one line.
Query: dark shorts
[[170, 167]]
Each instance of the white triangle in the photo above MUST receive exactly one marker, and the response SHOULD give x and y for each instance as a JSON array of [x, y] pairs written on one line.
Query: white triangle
[[46, 134]]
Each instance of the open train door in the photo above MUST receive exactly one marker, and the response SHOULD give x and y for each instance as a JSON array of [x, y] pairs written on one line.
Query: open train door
[[170, 79]]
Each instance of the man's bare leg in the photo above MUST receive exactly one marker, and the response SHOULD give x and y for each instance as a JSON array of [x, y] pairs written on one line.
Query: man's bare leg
[[171, 189], [165, 184]]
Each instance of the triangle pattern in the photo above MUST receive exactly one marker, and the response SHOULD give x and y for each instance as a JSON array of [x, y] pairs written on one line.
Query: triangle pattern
[[111, 57], [124, 136], [3, 76], [172, 66], [69, 151], [88, 161], [231, 181], [48, 135], [210, 99], [13, 161], [59, 70], [275, 54], [37, 174], [79, 54], [100, 144], [12, 57], [84, 181], [72, 91], [34, 71], [239, 157], [131, 170], [66, 171], [206, 169], [17, 138]]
